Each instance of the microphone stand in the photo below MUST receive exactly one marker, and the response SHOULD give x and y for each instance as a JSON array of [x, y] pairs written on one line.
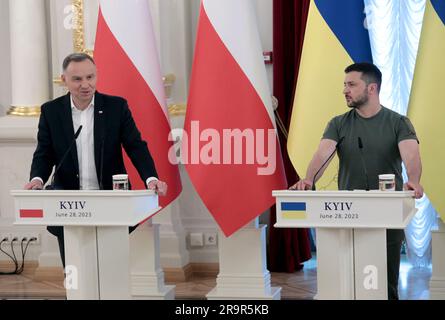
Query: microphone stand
[[101, 183], [51, 185], [360, 146], [326, 161]]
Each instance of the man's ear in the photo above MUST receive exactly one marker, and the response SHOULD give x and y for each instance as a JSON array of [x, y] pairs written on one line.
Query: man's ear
[[373, 88], [62, 76]]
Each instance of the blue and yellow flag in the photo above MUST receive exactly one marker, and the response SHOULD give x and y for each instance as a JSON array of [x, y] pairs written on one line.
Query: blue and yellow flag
[[335, 37], [293, 210], [427, 102]]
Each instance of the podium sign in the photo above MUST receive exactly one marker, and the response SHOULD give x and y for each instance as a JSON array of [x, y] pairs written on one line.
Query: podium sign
[[351, 235], [344, 209], [83, 207], [95, 230]]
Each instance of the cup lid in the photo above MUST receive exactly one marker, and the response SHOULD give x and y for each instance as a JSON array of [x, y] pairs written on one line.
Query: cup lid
[[120, 176], [388, 176]]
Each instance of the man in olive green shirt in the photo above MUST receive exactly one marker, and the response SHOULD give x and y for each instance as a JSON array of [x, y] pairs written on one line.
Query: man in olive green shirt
[[372, 140]]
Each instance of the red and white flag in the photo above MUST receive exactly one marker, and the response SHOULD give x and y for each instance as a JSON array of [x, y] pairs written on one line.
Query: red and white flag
[[31, 213], [127, 62], [230, 144]]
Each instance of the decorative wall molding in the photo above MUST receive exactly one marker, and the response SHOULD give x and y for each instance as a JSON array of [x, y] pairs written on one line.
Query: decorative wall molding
[[24, 111], [175, 110], [78, 28]]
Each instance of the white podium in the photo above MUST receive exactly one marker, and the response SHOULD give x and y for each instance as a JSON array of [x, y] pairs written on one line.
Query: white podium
[[96, 234], [351, 236]]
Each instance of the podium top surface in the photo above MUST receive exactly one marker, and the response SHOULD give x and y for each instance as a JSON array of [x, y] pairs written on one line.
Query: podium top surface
[[344, 193], [82, 193]]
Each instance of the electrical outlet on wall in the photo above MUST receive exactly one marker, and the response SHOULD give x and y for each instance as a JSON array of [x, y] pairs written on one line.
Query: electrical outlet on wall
[[210, 239], [26, 236], [196, 239], [6, 236]]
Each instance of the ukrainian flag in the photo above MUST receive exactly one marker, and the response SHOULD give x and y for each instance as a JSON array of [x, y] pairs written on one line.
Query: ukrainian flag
[[335, 37], [427, 102], [293, 210]]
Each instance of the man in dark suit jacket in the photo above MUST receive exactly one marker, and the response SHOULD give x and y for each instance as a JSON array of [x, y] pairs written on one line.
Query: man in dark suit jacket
[[107, 126]]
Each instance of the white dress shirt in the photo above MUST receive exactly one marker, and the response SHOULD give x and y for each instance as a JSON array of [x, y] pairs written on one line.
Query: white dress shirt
[[85, 145]]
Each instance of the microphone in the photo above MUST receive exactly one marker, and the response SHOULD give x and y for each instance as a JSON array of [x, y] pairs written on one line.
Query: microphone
[[327, 160], [360, 146], [101, 184], [102, 147], [51, 186]]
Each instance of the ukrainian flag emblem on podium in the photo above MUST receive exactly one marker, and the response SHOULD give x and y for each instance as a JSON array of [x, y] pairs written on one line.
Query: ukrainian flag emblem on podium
[[293, 210]]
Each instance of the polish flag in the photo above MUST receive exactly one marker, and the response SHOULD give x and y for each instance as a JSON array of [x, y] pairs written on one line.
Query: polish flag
[[31, 213], [230, 144], [128, 66]]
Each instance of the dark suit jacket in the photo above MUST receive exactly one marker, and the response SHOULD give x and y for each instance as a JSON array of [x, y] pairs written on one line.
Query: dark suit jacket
[[114, 128]]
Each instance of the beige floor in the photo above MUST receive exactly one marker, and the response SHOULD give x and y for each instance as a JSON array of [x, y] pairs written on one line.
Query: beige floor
[[299, 285]]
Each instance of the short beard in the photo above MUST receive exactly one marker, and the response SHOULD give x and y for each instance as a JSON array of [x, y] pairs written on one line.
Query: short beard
[[362, 100]]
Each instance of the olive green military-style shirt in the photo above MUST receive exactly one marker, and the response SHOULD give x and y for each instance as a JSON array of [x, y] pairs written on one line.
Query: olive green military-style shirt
[[380, 136]]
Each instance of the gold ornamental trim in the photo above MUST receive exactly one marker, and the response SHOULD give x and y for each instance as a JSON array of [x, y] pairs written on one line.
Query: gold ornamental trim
[[31, 111], [58, 80], [168, 81], [78, 28], [177, 109], [78, 34], [169, 78]]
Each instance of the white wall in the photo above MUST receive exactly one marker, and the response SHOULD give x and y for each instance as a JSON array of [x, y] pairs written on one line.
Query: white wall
[[15, 161], [5, 59], [265, 25]]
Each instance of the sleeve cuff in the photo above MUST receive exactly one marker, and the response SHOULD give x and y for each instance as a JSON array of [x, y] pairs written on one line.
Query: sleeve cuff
[[40, 179], [150, 180]]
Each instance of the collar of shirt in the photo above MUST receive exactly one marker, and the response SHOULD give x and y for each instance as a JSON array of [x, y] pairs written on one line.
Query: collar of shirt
[[75, 109]]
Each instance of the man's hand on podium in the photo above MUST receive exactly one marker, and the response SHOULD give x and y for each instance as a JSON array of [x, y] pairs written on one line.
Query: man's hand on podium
[[416, 187], [303, 184], [159, 186], [34, 184]]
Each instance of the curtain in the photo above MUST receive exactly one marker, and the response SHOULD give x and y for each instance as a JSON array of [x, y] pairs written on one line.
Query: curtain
[[288, 248], [394, 30]]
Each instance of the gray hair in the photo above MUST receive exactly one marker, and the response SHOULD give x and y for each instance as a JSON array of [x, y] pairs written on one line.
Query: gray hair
[[76, 57]]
